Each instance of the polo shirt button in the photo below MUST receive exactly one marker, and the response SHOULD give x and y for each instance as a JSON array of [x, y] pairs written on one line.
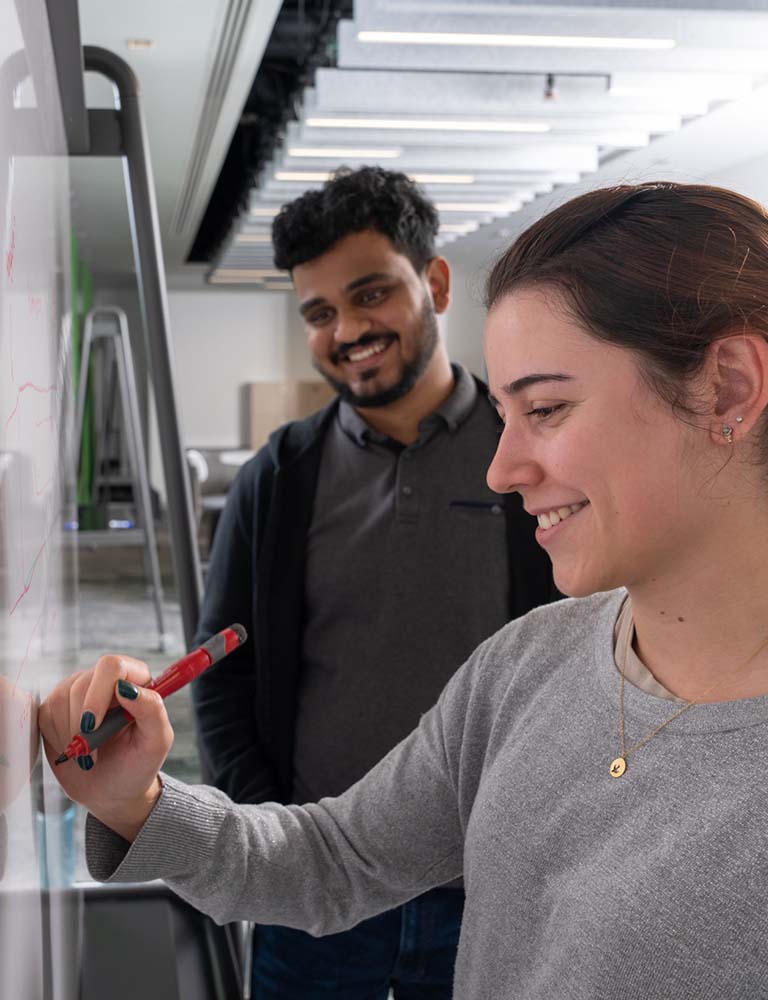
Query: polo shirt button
[[407, 490]]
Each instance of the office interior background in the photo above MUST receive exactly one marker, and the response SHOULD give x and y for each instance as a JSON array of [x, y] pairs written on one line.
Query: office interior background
[[500, 110]]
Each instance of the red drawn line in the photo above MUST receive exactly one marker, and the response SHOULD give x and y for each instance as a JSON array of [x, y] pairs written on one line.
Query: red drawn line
[[44, 487], [43, 390], [46, 420], [29, 644], [33, 568], [9, 257]]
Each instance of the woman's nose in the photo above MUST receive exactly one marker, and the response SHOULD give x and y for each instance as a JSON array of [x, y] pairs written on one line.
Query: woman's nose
[[513, 467]]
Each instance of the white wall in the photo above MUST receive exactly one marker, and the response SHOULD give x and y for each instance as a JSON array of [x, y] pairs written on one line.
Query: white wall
[[223, 340], [462, 325], [749, 178]]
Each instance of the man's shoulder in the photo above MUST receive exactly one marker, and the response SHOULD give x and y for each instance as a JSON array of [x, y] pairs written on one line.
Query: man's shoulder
[[288, 443]]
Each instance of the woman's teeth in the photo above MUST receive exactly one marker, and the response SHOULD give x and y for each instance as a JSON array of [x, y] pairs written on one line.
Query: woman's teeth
[[367, 352], [554, 517]]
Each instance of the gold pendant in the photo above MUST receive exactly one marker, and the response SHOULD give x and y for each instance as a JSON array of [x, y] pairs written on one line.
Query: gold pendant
[[618, 767]]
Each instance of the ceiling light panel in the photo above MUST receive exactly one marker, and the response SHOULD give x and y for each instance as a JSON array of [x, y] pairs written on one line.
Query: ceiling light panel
[[385, 93], [526, 157], [578, 27], [489, 123], [749, 58]]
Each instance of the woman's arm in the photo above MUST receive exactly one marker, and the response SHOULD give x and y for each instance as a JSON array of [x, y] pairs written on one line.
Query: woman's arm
[[321, 867]]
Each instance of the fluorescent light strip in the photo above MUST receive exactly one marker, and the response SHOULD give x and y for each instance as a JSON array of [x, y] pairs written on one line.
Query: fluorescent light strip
[[223, 279], [443, 178], [267, 213], [303, 175], [341, 153], [480, 207], [250, 272], [311, 175], [253, 238], [515, 41], [427, 125], [459, 227]]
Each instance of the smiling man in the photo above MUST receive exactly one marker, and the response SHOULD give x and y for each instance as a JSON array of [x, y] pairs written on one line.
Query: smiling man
[[367, 557]]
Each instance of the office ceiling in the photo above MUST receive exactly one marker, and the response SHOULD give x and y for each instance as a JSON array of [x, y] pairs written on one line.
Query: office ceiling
[[194, 78], [493, 126]]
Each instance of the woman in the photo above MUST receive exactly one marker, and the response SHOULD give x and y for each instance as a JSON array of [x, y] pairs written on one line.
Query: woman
[[594, 770]]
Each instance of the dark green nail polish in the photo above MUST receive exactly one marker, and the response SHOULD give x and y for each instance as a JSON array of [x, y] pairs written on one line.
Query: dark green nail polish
[[87, 722], [127, 690], [86, 762]]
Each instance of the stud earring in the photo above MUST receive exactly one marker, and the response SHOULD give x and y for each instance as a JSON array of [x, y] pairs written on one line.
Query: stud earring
[[739, 420], [728, 433]]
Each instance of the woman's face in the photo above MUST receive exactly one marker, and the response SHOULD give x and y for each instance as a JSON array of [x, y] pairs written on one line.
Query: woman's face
[[585, 437]]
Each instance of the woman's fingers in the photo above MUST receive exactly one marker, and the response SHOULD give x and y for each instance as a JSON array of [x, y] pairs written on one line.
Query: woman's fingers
[[155, 733], [100, 690]]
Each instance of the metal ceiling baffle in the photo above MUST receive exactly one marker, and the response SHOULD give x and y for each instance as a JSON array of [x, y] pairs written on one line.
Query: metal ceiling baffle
[[491, 105]]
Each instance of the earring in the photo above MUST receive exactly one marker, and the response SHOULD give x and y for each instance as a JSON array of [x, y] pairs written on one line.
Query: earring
[[728, 433], [739, 420]]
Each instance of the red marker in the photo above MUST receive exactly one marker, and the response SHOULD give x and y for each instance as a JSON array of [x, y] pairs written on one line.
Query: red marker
[[176, 676]]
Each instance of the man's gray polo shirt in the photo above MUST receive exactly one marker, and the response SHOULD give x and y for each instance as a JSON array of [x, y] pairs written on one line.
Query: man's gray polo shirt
[[406, 574]]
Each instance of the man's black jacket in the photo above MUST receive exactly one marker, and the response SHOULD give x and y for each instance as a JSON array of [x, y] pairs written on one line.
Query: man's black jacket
[[246, 705]]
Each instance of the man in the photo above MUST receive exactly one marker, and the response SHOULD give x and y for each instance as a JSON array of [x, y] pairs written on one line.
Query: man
[[366, 557]]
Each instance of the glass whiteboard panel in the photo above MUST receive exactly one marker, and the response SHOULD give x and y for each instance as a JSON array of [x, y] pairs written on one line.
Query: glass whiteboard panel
[[38, 630]]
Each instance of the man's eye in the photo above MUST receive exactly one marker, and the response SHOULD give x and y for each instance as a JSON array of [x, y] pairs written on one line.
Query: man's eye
[[372, 296], [317, 319]]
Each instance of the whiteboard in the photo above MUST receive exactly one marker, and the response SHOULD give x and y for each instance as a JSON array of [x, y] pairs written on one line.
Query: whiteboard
[[38, 623]]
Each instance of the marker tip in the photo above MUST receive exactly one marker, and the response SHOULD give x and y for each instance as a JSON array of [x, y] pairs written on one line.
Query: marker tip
[[60, 759]]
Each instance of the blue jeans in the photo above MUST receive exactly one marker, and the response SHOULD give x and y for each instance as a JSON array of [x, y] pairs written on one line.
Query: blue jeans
[[410, 950]]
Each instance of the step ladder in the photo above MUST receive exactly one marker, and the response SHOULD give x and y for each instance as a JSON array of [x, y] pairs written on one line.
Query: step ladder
[[106, 330]]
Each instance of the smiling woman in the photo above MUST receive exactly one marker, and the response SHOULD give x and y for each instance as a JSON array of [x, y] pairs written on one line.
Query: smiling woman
[[591, 769]]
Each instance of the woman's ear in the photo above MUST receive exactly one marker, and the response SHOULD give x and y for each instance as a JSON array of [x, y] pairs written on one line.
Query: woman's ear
[[738, 380], [439, 280]]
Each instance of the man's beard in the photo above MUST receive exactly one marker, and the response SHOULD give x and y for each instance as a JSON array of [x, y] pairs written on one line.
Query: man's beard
[[410, 375]]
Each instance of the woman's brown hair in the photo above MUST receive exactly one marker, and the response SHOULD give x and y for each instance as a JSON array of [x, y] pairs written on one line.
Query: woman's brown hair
[[661, 268]]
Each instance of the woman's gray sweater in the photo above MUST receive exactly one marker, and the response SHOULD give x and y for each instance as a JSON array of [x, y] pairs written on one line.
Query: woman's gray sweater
[[651, 886]]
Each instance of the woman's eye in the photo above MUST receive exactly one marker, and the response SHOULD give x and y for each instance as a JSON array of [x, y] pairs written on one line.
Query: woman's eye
[[542, 413]]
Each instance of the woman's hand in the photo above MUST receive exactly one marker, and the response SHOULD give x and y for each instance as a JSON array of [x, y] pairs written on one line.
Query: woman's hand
[[119, 782]]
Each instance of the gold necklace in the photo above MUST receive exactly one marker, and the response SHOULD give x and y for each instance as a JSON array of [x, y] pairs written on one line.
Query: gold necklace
[[619, 764]]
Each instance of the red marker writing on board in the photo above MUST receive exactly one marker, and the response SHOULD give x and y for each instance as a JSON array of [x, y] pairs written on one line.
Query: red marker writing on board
[[176, 676]]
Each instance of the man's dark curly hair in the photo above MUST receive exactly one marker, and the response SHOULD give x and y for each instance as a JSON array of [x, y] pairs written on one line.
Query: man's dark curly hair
[[351, 202]]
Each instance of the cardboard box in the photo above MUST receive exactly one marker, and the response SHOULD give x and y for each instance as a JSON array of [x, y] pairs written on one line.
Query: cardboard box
[[270, 404]]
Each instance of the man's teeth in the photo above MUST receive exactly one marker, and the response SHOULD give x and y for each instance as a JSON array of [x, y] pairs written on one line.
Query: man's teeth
[[367, 352], [560, 514]]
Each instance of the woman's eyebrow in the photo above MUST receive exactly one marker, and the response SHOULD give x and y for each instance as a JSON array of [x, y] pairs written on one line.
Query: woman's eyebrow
[[517, 386]]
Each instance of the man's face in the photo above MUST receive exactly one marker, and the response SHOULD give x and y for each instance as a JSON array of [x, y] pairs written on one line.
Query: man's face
[[370, 317]]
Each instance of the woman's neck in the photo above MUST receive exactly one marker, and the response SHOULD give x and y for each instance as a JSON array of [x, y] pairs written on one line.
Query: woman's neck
[[703, 632]]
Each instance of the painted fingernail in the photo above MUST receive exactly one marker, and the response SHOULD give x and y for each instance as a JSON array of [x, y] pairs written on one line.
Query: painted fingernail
[[87, 722], [127, 690], [86, 762]]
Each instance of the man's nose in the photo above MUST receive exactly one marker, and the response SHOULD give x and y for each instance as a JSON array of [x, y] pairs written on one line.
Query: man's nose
[[350, 326]]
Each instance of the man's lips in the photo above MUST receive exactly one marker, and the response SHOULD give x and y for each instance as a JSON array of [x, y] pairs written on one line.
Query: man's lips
[[367, 349]]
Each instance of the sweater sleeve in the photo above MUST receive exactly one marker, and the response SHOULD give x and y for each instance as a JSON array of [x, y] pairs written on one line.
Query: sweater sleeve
[[225, 696], [321, 867]]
